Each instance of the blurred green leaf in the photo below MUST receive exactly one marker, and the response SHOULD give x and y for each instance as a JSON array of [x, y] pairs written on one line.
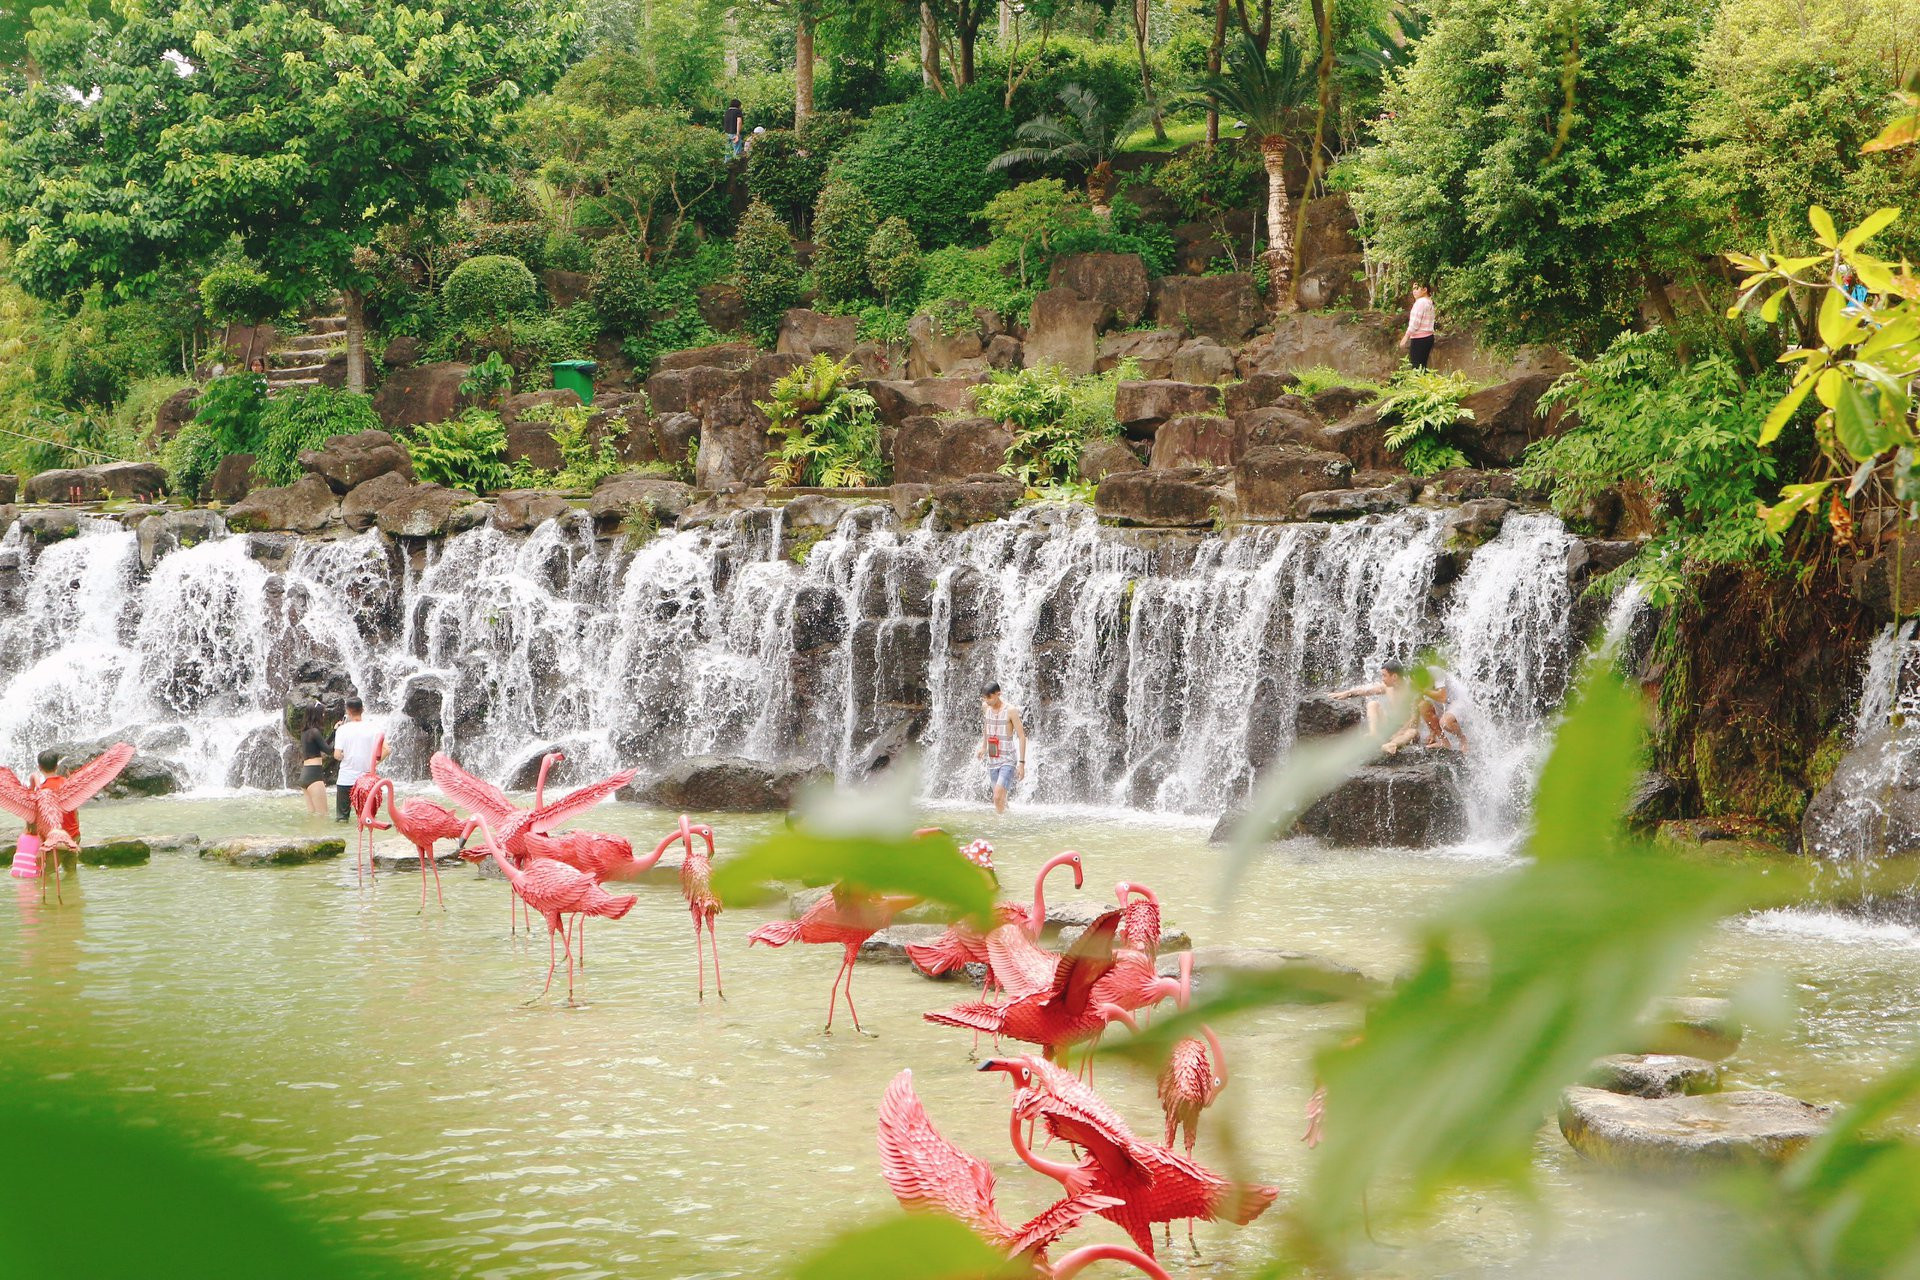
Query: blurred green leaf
[[1585, 783], [921, 1246], [1295, 982], [928, 866]]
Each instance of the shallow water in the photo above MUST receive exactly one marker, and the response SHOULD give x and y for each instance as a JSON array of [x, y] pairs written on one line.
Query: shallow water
[[380, 1064]]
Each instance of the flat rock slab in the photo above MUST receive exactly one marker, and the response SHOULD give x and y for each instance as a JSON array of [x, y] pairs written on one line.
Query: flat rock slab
[[1688, 1134], [188, 844], [117, 853], [1209, 961], [1654, 1075], [889, 946], [1696, 1026], [274, 851], [402, 857]]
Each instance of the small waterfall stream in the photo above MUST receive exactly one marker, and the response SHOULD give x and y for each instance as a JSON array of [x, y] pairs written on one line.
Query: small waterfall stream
[[1156, 670]]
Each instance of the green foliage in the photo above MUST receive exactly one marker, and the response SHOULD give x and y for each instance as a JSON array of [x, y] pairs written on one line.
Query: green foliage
[[768, 271], [1543, 238], [787, 168], [926, 161], [235, 293], [490, 289], [903, 1247], [1315, 378], [843, 222], [1425, 405], [468, 452], [586, 457], [676, 323], [1030, 217], [893, 260], [303, 418], [1207, 183], [489, 379], [89, 357], [1082, 139], [823, 428], [1679, 437], [545, 336], [226, 420], [622, 285], [969, 278], [1053, 417]]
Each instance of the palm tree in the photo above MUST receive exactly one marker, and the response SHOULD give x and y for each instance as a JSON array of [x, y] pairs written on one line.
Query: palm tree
[[1082, 137], [1269, 93]]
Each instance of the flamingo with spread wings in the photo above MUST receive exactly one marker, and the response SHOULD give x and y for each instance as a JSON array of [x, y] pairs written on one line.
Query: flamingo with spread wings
[[847, 916], [961, 944], [46, 809]]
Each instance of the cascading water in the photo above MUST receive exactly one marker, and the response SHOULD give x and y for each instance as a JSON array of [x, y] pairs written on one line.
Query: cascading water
[[1156, 670]]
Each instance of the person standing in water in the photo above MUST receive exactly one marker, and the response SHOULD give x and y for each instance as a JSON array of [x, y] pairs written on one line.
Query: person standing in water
[[1003, 744], [313, 762], [358, 745]]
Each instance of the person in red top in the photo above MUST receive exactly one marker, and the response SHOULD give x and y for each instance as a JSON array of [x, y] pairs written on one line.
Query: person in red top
[[1418, 339], [45, 777]]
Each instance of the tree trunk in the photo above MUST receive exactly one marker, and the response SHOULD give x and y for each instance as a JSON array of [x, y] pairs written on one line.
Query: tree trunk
[[1662, 304], [354, 303], [1273, 154], [1316, 162], [802, 66], [929, 48], [1140, 17], [1214, 51], [969, 30]]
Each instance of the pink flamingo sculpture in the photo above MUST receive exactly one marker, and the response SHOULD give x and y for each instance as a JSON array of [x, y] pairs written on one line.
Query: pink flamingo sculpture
[[927, 1172], [1152, 1183], [422, 823], [1051, 1010], [49, 809], [1195, 1074], [696, 883], [365, 808], [962, 945], [846, 916], [555, 889], [1140, 923]]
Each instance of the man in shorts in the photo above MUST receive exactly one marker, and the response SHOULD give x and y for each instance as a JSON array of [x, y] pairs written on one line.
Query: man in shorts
[[1003, 744]]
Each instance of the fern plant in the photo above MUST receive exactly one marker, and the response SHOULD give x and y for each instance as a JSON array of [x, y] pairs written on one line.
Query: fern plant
[[1052, 416], [468, 452], [1427, 404], [823, 427], [584, 460]]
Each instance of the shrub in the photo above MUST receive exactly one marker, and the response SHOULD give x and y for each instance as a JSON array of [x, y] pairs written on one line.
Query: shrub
[[676, 323], [1124, 230], [235, 293], [489, 289], [226, 420], [843, 222], [893, 260], [956, 278], [489, 379], [766, 98], [824, 428], [769, 274], [1053, 417], [546, 336], [584, 460], [1427, 404], [565, 251], [622, 285], [1315, 378], [1029, 218], [468, 452], [787, 168], [303, 418], [926, 161]]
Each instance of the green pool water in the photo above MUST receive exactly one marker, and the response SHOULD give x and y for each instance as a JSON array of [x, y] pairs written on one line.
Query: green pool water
[[379, 1068]]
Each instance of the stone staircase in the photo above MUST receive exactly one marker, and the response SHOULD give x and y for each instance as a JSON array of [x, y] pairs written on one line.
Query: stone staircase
[[299, 359]]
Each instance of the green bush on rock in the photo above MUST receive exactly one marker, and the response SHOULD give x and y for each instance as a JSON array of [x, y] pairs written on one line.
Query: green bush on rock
[[926, 161], [489, 289], [843, 222], [468, 452], [769, 273]]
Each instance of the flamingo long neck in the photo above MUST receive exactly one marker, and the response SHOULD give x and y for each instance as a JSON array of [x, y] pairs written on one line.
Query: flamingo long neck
[[514, 874], [1085, 1256], [1037, 918], [1219, 1059], [1146, 893], [1039, 1164], [659, 852], [540, 783]]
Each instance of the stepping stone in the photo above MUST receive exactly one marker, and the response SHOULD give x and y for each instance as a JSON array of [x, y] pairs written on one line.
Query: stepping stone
[[1688, 1134], [889, 946], [1697, 1026], [394, 856], [1654, 1075], [175, 844], [274, 851], [116, 853]]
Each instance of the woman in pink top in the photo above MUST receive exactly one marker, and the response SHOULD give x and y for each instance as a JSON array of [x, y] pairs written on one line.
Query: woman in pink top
[[1418, 339]]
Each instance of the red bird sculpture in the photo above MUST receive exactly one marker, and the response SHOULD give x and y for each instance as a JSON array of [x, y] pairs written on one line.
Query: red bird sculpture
[[422, 823], [1195, 1074], [556, 890], [48, 809], [847, 916], [696, 883], [962, 944]]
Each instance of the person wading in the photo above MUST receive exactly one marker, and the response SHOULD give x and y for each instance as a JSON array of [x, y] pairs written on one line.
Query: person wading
[[1003, 744], [358, 746], [1418, 339], [313, 763]]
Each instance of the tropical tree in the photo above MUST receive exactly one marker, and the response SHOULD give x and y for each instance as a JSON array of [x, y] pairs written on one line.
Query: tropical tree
[[1269, 91], [156, 134], [1083, 137]]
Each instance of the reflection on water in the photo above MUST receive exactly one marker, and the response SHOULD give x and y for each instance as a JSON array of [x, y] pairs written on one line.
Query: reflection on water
[[379, 1065]]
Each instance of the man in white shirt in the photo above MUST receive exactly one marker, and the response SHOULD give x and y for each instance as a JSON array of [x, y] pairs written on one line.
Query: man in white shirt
[[358, 745]]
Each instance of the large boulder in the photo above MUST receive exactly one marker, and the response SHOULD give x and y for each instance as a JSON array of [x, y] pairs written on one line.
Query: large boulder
[[1339, 281], [1870, 807], [142, 480], [1412, 800], [730, 784], [1117, 279], [524, 510], [402, 352], [1349, 504], [939, 450], [167, 532], [308, 505], [1189, 497], [1277, 425], [274, 851], [1362, 437], [146, 774], [1195, 440], [1102, 458], [1654, 1075], [431, 511], [425, 393], [1506, 420], [1685, 1134], [175, 412], [564, 288], [1331, 230], [1063, 331], [718, 355], [975, 500], [1888, 582], [810, 333], [1269, 479], [722, 307], [1152, 349], [1226, 307], [9, 488], [1142, 406], [1262, 391], [943, 343], [232, 479], [360, 509], [1203, 360], [901, 398], [618, 495]]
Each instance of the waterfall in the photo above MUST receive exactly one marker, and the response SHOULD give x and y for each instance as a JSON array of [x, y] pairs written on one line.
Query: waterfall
[[1156, 670]]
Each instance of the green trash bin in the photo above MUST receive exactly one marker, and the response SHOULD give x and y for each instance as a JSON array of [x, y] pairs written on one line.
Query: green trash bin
[[575, 376]]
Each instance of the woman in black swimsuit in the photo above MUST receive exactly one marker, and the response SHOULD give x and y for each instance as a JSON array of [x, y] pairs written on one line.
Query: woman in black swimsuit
[[313, 763]]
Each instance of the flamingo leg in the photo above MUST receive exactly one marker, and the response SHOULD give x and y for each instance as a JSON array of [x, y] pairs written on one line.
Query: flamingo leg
[[567, 943], [700, 955], [426, 856], [553, 927], [713, 936], [852, 954], [580, 923], [833, 996], [435, 864]]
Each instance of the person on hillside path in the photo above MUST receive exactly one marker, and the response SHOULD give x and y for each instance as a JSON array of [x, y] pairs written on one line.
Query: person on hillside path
[[358, 745], [1003, 744], [731, 121], [313, 763], [1418, 339]]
